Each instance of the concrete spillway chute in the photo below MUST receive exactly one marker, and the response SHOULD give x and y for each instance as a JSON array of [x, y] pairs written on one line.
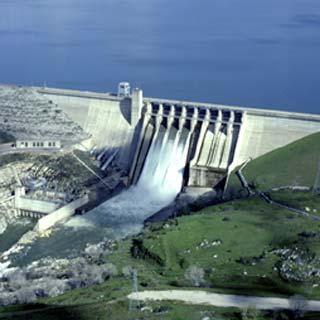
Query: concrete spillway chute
[[212, 134]]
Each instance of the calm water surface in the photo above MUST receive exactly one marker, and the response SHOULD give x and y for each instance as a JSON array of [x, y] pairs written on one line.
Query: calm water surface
[[257, 53]]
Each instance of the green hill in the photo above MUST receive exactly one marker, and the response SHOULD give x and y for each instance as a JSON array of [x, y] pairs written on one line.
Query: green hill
[[234, 243], [293, 165]]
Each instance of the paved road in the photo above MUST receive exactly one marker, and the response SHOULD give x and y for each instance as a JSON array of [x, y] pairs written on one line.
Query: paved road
[[6, 148], [224, 300]]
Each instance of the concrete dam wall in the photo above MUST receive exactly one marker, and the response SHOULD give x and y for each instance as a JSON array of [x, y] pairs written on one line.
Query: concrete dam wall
[[219, 137], [106, 118]]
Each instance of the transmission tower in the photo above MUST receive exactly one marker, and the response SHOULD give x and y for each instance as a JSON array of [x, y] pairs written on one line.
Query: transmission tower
[[316, 187], [134, 304]]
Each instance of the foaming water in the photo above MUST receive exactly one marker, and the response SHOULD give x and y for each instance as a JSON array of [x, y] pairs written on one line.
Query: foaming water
[[160, 182]]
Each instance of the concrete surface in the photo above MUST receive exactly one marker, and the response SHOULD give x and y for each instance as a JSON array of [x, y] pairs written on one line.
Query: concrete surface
[[59, 215]]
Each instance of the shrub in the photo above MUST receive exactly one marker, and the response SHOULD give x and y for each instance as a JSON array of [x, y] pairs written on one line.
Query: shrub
[[6, 299], [195, 275], [127, 271], [109, 270], [17, 279], [94, 251], [250, 313], [25, 295], [54, 287]]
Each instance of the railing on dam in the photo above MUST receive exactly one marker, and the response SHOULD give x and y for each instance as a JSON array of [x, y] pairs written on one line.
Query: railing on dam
[[247, 110], [213, 117]]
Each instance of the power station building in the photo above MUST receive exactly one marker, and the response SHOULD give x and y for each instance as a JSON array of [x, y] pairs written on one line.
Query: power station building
[[38, 144]]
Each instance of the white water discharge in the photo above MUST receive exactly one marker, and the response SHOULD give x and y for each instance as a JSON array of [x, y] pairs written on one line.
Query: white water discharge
[[160, 182]]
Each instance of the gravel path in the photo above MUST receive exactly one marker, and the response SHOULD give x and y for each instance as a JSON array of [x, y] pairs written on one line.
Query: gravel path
[[224, 300]]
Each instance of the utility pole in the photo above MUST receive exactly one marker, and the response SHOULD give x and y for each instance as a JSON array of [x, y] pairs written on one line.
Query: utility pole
[[134, 304], [316, 187]]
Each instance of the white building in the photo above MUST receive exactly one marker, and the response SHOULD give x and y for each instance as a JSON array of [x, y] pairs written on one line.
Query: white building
[[124, 89], [38, 144]]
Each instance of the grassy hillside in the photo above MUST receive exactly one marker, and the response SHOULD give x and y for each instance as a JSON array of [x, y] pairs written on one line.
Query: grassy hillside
[[243, 263], [234, 243], [120, 311], [294, 164]]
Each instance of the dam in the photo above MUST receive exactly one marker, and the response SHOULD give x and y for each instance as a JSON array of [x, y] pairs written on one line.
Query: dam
[[216, 138], [162, 146]]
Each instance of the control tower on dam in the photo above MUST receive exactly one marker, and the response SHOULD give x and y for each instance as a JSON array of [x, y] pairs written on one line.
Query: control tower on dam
[[219, 137]]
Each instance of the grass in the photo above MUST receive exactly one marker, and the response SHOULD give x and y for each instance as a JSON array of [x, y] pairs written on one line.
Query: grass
[[246, 228], [293, 165], [306, 201], [120, 311]]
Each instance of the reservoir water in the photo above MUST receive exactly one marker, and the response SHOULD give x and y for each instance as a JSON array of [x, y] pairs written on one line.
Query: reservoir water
[[254, 53]]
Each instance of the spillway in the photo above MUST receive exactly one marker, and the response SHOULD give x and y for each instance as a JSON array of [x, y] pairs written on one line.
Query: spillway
[[159, 183]]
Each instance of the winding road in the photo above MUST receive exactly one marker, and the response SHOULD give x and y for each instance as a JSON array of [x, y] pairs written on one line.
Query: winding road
[[225, 300]]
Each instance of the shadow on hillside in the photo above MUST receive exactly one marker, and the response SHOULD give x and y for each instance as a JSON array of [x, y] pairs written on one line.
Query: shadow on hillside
[[255, 286], [42, 311]]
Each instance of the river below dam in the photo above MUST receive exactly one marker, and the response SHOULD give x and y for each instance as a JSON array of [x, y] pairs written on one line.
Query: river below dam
[[251, 53], [123, 215]]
